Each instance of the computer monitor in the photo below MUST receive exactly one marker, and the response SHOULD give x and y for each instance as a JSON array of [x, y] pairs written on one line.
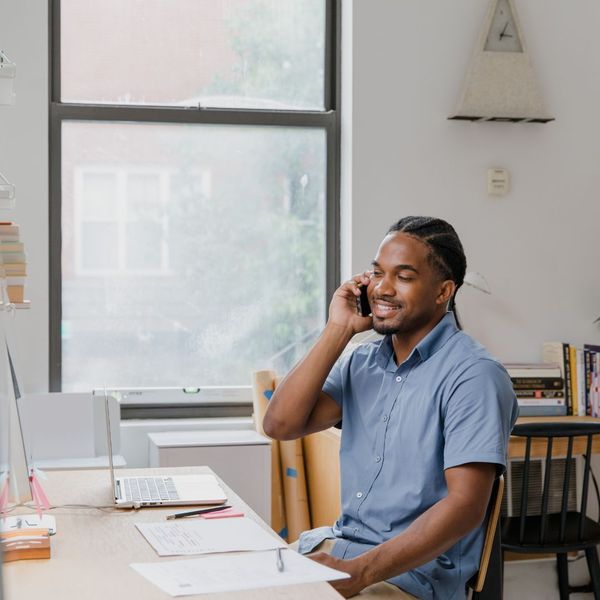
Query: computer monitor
[[5, 417], [18, 456], [14, 470], [5, 412]]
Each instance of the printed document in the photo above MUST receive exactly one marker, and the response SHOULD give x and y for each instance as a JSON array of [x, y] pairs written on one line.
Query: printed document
[[183, 537], [232, 572]]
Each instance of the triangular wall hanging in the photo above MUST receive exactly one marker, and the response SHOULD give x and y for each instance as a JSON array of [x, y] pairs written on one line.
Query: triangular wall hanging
[[500, 83]]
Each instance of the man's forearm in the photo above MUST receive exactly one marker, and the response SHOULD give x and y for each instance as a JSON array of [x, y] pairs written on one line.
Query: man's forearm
[[436, 530], [295, 397]]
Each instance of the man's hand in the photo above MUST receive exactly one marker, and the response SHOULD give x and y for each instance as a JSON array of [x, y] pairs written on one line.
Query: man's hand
[[343, 310], [346, 587]]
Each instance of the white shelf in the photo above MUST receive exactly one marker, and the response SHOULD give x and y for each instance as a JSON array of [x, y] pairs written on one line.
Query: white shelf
[[7, 193], [8, 73], [18, 305]]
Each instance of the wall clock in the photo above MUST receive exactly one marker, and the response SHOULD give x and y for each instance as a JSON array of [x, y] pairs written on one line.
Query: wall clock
[[500, 84]]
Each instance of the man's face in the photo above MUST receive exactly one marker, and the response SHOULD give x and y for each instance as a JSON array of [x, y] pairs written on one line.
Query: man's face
[[405, 290]]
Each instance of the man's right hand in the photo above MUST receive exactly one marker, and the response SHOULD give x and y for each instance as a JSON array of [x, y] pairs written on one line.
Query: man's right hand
[[299, 405], [343, 311]]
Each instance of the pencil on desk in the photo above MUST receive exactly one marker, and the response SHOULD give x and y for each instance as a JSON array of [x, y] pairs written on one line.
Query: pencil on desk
[[201, 511]]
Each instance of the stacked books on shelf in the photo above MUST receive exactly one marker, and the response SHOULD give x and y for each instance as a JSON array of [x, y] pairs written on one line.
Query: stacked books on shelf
[[581, 371], [13, 261], [539, 387]]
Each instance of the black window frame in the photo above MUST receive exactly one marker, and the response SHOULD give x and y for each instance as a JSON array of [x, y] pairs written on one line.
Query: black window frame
[[328, 120]]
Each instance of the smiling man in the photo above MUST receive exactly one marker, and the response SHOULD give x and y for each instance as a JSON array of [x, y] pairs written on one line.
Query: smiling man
[[426, 414]]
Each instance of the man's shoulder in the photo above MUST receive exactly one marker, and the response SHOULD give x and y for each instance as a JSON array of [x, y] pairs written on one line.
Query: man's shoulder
[[366, 349], [471, 357]]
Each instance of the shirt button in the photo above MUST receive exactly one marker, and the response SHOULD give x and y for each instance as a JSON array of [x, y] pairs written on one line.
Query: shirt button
[[378, 459], [359, 494], [399, 379], [385, 417]]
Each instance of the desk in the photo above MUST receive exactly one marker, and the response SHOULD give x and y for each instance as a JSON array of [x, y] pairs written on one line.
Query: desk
[[92, 549], [516, 446]]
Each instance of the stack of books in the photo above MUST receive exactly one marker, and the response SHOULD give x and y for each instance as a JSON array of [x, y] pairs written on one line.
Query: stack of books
[[14, 261], [581, 371], [28, 543], [539, 387]]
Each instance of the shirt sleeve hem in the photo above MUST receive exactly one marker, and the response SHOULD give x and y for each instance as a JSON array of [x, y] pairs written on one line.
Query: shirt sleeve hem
[[495, 458], [332, 392]]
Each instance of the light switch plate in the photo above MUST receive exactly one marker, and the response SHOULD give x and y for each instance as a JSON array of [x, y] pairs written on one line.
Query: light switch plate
[[498, 182]]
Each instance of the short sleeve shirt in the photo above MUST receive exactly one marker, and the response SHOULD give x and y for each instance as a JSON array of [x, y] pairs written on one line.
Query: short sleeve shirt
[[449, 403]]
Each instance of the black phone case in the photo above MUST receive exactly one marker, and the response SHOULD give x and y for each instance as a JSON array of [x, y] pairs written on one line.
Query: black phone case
[[365, 307]]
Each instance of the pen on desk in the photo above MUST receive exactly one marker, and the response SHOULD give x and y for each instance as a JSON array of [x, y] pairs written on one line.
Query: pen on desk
[[279, 559], [201, 511]]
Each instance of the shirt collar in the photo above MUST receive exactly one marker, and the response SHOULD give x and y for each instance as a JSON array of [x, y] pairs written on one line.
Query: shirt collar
[[427, 347]]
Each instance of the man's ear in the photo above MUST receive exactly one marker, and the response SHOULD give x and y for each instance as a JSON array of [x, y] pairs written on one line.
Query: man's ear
[[447, 289]]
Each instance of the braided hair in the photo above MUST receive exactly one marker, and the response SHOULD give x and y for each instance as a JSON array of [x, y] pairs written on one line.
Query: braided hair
[[446, 252]]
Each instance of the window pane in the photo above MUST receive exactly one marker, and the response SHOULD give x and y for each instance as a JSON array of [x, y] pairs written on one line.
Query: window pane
[[225, 53], [217, 262], [99, 246]]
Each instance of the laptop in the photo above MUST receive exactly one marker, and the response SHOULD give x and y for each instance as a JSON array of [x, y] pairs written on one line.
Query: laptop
[[158, 490]]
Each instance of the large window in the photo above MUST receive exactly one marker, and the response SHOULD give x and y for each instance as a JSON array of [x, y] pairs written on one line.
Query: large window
[[194, 196]]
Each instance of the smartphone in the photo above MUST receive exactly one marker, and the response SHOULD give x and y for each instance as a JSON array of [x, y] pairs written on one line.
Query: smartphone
[[363, 302]]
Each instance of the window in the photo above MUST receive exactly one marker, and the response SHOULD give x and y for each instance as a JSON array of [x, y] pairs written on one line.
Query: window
[[194, 199], [120, 223]]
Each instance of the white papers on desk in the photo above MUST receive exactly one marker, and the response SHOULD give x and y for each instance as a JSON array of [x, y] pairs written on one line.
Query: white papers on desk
[[184, 537], [232, 572]]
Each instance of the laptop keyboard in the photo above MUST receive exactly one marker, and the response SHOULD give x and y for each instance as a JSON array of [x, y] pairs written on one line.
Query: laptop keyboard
[[149, 489]]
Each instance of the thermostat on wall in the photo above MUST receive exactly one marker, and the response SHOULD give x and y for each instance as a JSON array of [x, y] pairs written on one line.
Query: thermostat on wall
[[497, 182]]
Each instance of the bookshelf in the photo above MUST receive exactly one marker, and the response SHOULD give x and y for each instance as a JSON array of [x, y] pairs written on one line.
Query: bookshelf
[[12, 282], [13, 264]]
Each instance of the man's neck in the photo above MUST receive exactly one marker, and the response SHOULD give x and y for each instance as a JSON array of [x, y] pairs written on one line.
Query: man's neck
[[404, 343]]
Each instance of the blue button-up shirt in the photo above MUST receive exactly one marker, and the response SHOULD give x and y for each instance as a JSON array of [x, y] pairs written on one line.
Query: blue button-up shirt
[[449, 403]]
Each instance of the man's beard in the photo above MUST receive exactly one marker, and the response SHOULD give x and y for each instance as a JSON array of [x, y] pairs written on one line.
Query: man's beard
[[387, 328]]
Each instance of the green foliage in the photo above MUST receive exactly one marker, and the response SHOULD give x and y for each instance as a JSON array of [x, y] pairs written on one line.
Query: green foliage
[[279, 49], [259, 237]]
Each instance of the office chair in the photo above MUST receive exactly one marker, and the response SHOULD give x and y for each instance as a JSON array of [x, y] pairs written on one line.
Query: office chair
[[557, 532], [486, 584]]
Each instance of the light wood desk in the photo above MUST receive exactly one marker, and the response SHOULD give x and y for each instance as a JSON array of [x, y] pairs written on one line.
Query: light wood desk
[[516, 446], [92, 549]]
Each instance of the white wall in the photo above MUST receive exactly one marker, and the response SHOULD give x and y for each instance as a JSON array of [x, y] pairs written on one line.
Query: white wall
[[538, 246], [24, 162]]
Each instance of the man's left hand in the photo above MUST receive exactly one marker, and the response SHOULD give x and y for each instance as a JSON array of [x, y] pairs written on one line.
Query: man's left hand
[[346, 587]]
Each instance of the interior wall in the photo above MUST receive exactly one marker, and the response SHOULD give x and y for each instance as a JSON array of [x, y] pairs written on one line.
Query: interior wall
[[408, 58], [536, 246], [24, 162]]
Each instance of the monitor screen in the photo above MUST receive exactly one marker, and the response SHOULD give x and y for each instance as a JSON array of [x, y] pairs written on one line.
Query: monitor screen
[[5, 418], [14, 470], [5, 415]]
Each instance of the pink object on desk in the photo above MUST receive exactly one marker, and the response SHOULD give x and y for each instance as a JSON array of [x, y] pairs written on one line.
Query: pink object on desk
[[223, 514]]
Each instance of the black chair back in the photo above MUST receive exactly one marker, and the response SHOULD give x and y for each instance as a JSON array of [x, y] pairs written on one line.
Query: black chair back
[[572, 526]]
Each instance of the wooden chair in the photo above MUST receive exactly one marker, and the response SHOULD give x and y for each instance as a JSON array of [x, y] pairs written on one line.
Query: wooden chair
[[567, 530], [486, 584]]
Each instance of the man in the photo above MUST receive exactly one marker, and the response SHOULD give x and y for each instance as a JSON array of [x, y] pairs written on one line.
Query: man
[[426, 416]]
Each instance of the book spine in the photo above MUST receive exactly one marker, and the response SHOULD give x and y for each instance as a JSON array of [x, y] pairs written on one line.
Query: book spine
[[537, 383], [567, 375], [587, 380], [596, 383], [592, 382], [580, 382], [542, 394], [542, 411]]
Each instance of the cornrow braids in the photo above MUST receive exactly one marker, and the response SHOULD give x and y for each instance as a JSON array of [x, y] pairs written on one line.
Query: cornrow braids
[[446, 251]]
